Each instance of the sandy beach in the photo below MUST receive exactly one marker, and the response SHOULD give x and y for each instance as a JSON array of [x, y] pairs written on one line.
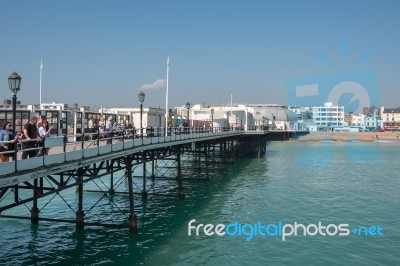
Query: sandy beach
[[347, 136]]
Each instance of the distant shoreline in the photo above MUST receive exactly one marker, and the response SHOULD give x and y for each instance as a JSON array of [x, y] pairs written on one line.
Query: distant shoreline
[[351, 136]]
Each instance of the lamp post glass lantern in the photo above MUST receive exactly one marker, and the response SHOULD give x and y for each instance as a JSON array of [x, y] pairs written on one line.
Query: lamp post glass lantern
[[14, 83], [141, 96]]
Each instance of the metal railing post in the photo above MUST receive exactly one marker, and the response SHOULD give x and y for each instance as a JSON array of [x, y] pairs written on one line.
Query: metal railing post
[[15, 155], [98, 139], [83, 142], [65, 147], [123, 139]]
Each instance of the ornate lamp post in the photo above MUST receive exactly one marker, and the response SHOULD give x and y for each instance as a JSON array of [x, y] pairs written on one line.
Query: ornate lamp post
[[212, 119], [14, 82], [141, 100], [187, 105]]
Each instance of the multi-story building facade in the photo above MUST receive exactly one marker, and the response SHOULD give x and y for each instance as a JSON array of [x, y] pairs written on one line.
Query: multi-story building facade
[[373, 122], [328, 116], [304, 116], [303, 113], [357, 120], [390, 118], [348, 119]]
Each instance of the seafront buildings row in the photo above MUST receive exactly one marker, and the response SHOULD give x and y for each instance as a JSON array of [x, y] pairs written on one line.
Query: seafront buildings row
[[327, 117], [330, 117]]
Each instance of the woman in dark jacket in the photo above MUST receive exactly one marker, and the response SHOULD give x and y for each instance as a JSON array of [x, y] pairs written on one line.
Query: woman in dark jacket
[[7, 142]]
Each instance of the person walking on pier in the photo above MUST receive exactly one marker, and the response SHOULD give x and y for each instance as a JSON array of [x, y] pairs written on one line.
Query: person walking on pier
[[7, 142], [30, 133], [44, 132], [109, 129], [91, 128], [101, 128]]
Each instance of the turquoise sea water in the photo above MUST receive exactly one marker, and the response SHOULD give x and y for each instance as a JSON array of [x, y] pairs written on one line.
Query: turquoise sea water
[[305, 182]]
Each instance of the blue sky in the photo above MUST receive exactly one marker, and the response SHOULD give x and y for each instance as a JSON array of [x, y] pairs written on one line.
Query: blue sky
[[100, 53]]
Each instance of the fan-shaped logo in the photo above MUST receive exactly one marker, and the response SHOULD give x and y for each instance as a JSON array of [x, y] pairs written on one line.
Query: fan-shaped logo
[[359, 96], [331, 96], [351, 89]]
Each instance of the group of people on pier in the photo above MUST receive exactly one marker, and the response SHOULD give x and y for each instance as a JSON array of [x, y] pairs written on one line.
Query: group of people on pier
[[103, 129], [31, 139]]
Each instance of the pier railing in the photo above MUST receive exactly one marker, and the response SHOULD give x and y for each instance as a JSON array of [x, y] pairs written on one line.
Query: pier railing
[[80, 146]]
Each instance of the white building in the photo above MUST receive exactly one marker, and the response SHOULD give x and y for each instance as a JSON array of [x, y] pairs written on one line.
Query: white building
[[151, 117], [303, 113], [237, 116], [304, 116], [181, 111], [245, 116], [358, 120], [277, 117], [328, 116], [373, 122], [391, 118]]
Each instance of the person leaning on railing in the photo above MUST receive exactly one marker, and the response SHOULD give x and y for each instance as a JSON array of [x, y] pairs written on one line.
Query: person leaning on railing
[[44, 132], [109, 129], [30, 136], [7, 142]]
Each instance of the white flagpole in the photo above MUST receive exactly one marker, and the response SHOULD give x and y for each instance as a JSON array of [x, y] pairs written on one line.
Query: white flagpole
[[40, 83], [231, 104], [166, 101]]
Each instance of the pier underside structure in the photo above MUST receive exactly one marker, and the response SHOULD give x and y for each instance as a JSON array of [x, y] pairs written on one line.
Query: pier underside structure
[[155, 169]]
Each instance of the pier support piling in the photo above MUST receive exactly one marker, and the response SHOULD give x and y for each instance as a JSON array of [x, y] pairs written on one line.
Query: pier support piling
[[181, 189], [144, 189], [35, 209], [80, 222], [153, 163], [35, 215], [206, 154], [111, 190], [132, 223], [132, 216]]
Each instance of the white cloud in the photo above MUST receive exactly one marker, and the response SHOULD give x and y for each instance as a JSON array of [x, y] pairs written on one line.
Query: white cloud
[[158, 84]]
